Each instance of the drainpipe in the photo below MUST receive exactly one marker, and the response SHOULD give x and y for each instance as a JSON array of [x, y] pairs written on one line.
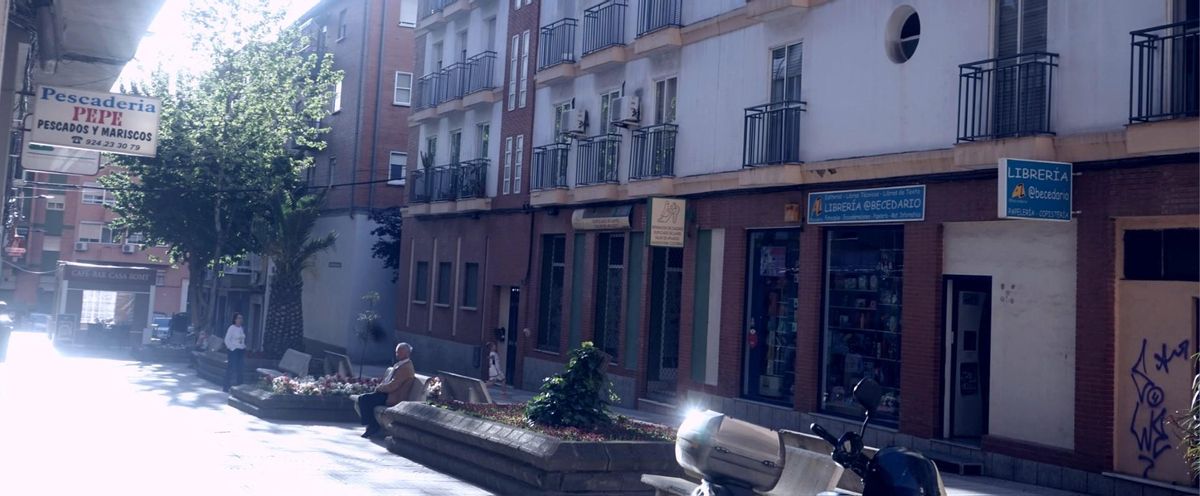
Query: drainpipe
[[362, 62], [378, 91]]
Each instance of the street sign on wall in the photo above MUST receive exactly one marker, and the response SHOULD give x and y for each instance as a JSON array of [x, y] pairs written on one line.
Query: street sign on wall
[[107, 122], [1034, 190], [665, 224], [897, 204]]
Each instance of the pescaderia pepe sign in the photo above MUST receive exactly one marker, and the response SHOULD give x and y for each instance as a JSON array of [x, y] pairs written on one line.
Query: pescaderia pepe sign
[[107, 122]]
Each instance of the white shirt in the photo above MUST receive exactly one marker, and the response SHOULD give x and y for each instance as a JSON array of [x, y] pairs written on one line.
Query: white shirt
[[235, 338]]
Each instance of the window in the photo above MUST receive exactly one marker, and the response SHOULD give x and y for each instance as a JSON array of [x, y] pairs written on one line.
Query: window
[[561, 126], [437, 57], [520, 161], [1162, 255], [508, 151], [90, 232], [455, 146], [606, 111], [49, 259], [512, 71], [341, 25], [1019, 97], [420, 290], [98, 306], [483, 136], [329, 170], [903, 33], [135, 237], [160, 277], [490, 33], [397, 167], [402, 94], [664, 101], [430, 150], [93, 194], [524, 68], [462, 46], [445, 278], [408, 13], [55, 204], [470, 294], [550, 311], [610, 278], [785, 73], [337, 97]]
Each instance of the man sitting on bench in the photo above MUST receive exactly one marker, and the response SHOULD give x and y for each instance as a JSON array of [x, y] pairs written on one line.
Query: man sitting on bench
[[394, 388]]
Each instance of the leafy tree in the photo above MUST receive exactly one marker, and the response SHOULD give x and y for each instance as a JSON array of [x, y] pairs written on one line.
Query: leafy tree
[[284, 232], [390, 224], [228, 133], [575, 398]]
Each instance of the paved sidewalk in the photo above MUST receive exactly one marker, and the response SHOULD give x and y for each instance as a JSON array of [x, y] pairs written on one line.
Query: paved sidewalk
[[956, 485]]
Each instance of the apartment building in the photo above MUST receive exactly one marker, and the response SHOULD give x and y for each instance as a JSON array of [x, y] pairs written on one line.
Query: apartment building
[[752, 204], [466, 245], [362, 168], [58, 218]]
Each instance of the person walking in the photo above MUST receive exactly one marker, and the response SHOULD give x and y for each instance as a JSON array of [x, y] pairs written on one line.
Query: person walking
[[495, 374], [235, 342]]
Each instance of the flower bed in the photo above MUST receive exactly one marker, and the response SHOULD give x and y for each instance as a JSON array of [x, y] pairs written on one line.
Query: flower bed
[[319, 386], [622, 428], [321, 399]]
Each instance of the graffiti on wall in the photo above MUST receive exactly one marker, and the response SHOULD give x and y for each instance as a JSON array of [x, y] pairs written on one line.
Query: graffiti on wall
[[1148, 424]]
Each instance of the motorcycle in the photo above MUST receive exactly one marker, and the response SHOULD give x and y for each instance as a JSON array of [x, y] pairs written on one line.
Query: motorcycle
[[735, 458]]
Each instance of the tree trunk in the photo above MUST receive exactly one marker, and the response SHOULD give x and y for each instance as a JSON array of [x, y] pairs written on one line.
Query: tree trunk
[[196, 308], [285, 314]]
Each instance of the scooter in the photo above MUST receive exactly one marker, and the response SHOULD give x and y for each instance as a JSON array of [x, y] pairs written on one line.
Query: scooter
[[893, 471], [735, 458]]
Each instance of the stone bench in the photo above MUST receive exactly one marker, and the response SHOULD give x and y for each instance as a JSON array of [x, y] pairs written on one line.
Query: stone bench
[[294, 363], [416, 393], [337, 364], [464, 389]]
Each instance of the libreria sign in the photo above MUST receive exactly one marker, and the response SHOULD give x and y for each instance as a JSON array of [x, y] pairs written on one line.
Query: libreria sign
[[126, 124]]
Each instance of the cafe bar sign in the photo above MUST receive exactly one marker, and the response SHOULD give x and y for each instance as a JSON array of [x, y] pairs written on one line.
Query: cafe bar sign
[[1035, 190], [106, 122], [108, 274], [861, 206], [666, 222]]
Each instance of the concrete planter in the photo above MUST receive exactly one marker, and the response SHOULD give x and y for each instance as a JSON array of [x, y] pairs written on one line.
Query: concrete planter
[[267, 405], [510, 460], [210, 366]]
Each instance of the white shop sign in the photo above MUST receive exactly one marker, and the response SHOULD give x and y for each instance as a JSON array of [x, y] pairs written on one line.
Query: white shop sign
[[107, 122]]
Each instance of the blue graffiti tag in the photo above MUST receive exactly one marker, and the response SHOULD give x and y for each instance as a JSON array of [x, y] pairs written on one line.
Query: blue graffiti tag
[[1148, 424]]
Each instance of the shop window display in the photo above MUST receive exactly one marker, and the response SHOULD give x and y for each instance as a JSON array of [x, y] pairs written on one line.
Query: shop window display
[[864, 286], [770, 335]]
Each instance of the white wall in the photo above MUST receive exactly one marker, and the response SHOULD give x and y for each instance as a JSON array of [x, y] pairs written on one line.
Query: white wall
[[1032, 265]]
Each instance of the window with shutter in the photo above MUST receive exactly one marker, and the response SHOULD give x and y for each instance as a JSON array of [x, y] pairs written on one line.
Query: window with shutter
[[520, 159], [786, 63], [1020, 86], [512, 71], [524, 68]]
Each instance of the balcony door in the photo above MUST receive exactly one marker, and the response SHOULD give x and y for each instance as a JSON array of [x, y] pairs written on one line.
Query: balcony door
[[1185, 79], [455, 146], [1020, 98], [783, 126]]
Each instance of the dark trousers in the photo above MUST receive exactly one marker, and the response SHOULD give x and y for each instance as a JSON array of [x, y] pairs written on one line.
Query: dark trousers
[[366, 408], [233, 369]]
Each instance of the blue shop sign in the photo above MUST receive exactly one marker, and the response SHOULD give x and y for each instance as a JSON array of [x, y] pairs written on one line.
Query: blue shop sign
[[1034, 190], [898, 204]]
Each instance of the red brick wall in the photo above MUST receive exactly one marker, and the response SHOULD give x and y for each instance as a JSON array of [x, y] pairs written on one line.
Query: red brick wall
[[518, 121]]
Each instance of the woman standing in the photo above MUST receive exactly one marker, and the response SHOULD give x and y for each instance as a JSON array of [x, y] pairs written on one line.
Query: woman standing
[[235, 341], [495, 375]]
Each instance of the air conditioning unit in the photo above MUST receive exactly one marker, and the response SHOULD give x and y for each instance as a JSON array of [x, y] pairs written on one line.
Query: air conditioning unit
[[128, 248], [625, 111], [577, 122], [81, 246]]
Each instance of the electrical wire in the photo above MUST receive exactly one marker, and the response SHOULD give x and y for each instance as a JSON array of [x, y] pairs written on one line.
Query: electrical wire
[[30, 271], [60, 187]]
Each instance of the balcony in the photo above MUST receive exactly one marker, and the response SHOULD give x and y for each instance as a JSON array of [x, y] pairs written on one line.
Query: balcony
[[429, 12], [771, 135], [450, 87], [425, 97], [658, 24], [597, 160], [653, 152], [556, 51], [464, 183], [1164, 72], [550, 166], [418, 190], [480, 80], [603, 35], [1006, 97]]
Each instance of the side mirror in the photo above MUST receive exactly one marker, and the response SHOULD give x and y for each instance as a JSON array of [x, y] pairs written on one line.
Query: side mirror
[[868, 393]]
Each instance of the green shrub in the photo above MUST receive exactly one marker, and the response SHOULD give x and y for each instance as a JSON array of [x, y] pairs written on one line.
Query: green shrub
[[578, 397]]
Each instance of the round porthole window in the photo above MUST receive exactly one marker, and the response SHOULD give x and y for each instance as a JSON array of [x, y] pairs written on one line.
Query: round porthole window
[[904, 32]]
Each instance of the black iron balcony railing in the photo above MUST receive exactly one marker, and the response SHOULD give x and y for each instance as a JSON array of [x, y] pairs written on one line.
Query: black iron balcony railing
[[654, 15], [480, 73], [598, 159], [550, 166], [604, 26], [771, 134], [1164, 72], [450, 86], [426, 8], [442, 183], [653, 152], [1005, 97], [418, 186], [472, 179], [556, 44], [426, 91]]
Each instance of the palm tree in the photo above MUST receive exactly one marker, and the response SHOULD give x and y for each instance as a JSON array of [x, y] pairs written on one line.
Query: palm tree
[[283, 234]]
